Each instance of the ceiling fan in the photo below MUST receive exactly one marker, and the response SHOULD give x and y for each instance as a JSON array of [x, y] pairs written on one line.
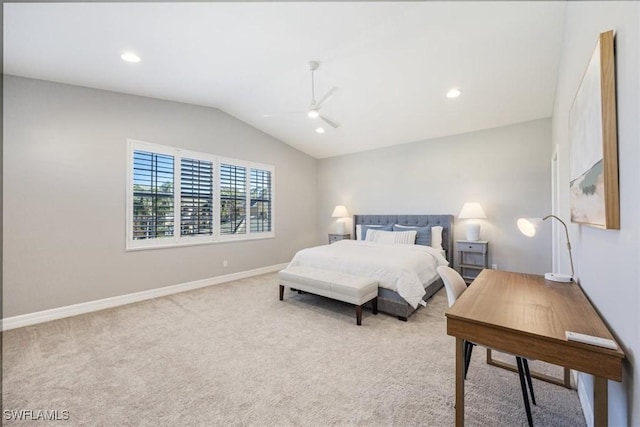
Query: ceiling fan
[[314, 107]]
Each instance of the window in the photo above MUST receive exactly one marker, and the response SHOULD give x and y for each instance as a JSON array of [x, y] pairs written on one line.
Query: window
[[152, 195], [196, 197], [207, 198], [233, 199], [260, 200]]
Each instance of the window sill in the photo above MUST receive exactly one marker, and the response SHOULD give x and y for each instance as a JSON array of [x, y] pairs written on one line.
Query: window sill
[[187, 242]]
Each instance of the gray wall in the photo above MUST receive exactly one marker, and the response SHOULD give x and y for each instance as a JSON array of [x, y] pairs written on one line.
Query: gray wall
[[607, 260], [506, 169], [65, 169]]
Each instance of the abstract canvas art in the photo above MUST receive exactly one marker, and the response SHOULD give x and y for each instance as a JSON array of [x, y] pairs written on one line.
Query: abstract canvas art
[[594, 195]]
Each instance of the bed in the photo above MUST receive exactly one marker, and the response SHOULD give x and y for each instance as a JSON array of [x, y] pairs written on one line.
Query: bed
[[406, 273]]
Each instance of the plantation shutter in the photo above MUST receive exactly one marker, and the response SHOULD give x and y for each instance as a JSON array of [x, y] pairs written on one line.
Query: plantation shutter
[[196, 197], [233, 199], [260, 201], [153, 186]]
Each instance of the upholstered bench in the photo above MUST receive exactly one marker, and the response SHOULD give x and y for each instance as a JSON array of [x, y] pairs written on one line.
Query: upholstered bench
[[332, 284]]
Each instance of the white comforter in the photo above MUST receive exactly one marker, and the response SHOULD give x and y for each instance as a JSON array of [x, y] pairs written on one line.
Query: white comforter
[[405, 269]]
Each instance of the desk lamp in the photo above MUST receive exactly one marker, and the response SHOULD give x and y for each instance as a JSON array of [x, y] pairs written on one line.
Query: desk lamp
[[529, 226]]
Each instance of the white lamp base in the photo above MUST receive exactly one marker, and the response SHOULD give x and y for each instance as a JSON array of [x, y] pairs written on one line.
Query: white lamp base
[[557, 277], [473, 230], [340, 226]]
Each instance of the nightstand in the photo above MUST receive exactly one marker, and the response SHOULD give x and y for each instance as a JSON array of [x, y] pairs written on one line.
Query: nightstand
[[472, 258], [335, 237]]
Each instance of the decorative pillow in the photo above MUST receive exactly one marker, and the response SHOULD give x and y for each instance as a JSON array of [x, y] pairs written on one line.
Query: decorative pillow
[[436, 237], [364, 229], [392, 237], [424, 233]]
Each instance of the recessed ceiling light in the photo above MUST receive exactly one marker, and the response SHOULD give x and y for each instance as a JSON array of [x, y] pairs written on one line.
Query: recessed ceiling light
[[313, 114], [130, 57], [320, 130], [453, 93]]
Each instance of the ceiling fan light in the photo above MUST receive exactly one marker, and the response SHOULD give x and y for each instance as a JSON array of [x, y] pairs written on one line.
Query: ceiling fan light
[[313, 114], [320, 130], [130, 57], [453, 93]]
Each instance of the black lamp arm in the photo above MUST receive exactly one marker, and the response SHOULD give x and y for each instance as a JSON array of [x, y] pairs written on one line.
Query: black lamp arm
[[566, 232]]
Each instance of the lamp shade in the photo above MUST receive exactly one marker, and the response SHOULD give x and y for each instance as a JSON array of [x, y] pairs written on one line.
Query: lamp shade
[[340, 212], [472, 210], [529, 226]]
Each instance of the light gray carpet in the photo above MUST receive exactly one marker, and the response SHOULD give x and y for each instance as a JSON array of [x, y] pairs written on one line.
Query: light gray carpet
[[234, 355]]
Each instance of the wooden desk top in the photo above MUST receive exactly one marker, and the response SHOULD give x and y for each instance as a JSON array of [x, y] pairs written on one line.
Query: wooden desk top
[[527, 315]]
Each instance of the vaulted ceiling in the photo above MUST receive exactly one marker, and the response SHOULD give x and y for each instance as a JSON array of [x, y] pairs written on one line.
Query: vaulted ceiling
[[391, 62]]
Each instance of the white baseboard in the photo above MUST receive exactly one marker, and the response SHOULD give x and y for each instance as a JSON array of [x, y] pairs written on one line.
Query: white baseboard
[[585, 397], [91, 306]]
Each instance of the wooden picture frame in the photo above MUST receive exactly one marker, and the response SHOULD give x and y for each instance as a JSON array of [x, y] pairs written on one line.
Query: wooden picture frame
[[593, 142]]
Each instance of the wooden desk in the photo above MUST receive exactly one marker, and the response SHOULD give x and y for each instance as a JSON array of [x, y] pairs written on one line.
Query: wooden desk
[[526, 315]]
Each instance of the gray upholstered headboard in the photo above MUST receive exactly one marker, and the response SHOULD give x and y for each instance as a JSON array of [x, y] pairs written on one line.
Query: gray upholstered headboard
[[446, 221]]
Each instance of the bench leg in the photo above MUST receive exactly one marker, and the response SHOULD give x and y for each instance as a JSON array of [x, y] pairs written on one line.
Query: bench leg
[[374, 305], [281, 292], [358, 315]]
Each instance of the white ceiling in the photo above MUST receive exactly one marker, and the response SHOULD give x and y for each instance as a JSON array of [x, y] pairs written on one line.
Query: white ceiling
[[393, 62]]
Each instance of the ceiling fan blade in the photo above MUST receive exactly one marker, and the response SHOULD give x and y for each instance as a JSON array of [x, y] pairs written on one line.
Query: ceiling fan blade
[[330, 122], [325, 97]]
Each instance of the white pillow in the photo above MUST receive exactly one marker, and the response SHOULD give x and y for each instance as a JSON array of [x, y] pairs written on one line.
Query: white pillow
[[359, 230], [392, 237], [436, 237]]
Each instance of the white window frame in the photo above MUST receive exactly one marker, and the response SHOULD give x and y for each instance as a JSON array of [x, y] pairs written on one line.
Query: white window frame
[[177, 239], [248, 166]]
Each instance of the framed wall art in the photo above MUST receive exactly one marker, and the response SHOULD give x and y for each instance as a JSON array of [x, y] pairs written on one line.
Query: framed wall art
[[593, 142]]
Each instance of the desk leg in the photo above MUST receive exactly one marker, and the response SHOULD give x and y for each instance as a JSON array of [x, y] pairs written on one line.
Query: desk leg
[[459, 382], [600, 402]]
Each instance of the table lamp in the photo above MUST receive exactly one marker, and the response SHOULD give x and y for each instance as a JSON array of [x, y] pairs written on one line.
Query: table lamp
[[529, 226], [472, 212], [341, 213]]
